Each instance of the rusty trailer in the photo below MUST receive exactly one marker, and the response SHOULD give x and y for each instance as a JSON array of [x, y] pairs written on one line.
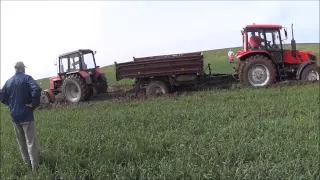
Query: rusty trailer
[[168, 56], [160, 66], [166, 73]]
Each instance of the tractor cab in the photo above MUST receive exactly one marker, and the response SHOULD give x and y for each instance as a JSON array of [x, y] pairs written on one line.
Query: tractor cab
[[264, 38], [80, 60]]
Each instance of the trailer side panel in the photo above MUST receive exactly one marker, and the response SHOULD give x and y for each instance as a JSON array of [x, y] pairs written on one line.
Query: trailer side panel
[[191, 63]]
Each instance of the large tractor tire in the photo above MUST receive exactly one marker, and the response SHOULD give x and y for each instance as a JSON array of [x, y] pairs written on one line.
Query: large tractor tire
[[310, 73], [157, 88], [257, 71], [102, 87], [74, 89]]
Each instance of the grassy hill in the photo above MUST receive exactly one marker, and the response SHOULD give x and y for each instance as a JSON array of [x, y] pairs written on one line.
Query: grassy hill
[[217, 58]]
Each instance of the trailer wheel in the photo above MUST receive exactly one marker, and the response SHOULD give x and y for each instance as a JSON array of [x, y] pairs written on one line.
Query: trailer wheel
[[157, 88], [75, 89], [310, 73], [258, 71]]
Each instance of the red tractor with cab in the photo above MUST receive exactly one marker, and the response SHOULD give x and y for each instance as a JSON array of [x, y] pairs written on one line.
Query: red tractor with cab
[[78, 79], [264, 60]]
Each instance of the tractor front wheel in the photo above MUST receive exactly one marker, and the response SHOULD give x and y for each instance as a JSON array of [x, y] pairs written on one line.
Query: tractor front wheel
[[75, 89], [258, 71], [44, 99], [310, 73]]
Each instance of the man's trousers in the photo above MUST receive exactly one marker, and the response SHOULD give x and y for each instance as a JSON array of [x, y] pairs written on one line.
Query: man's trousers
[[28, 143]]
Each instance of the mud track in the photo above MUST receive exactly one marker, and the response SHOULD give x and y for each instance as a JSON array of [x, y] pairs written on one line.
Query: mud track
[[128, 95]]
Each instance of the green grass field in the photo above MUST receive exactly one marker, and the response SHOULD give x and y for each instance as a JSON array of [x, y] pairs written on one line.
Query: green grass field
[[264, 133], [217, 58], [228, 134]]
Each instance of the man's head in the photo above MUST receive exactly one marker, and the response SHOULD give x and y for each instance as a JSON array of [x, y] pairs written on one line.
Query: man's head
[[20, 67]]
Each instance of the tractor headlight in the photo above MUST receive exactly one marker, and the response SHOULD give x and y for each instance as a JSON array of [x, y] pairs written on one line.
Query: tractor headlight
[[312, 57]]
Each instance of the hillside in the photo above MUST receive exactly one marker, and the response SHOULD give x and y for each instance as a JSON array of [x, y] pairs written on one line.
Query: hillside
[[217, 58]]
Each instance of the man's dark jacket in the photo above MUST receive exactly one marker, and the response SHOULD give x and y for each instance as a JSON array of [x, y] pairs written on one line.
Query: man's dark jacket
[[19, 90]]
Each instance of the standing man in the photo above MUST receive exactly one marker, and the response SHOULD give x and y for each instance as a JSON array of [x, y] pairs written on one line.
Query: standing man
[[22, 94]]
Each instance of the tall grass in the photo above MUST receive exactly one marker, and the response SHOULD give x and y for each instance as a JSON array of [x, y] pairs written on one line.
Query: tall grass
[[226, 134]]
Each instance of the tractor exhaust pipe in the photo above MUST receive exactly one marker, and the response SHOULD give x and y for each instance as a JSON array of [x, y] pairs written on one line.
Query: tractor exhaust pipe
[[293, 43], [292, 31]]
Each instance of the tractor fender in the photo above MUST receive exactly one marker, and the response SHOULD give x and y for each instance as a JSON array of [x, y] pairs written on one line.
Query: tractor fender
[[100, 73], [52, 80], [103, 77], [243, 55], [302, 66], [88, 80], [86, 77], [50, 94]]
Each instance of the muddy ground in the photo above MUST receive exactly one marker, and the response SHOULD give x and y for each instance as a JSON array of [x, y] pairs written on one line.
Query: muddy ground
[[125, 93]]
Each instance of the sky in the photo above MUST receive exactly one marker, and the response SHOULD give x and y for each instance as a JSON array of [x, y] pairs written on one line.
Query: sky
[[36, 32]]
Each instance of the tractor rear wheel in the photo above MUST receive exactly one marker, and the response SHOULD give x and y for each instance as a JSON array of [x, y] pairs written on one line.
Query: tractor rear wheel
[[310, 73], [75, 89], [157, 88], [258, 71]]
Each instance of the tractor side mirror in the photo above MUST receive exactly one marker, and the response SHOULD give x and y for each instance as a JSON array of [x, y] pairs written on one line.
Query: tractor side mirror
[[55, 62], [286, 33], [95, 52]]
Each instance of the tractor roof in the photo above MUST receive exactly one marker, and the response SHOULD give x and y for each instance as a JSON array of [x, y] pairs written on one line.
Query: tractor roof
[[85, 51], [271, 26]]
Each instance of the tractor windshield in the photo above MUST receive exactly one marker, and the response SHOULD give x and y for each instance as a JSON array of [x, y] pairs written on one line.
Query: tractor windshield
[[255, 39], [264, 39], [63, 65], [88, 60], [74, 62], [273, 39]]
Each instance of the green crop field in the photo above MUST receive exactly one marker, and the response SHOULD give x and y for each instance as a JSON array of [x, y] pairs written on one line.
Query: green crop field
[[248, 133], [265, 133], [217, 58]]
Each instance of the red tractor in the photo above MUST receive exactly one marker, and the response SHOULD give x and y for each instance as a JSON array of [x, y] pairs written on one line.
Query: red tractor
[[78, 79], [264, 61]]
